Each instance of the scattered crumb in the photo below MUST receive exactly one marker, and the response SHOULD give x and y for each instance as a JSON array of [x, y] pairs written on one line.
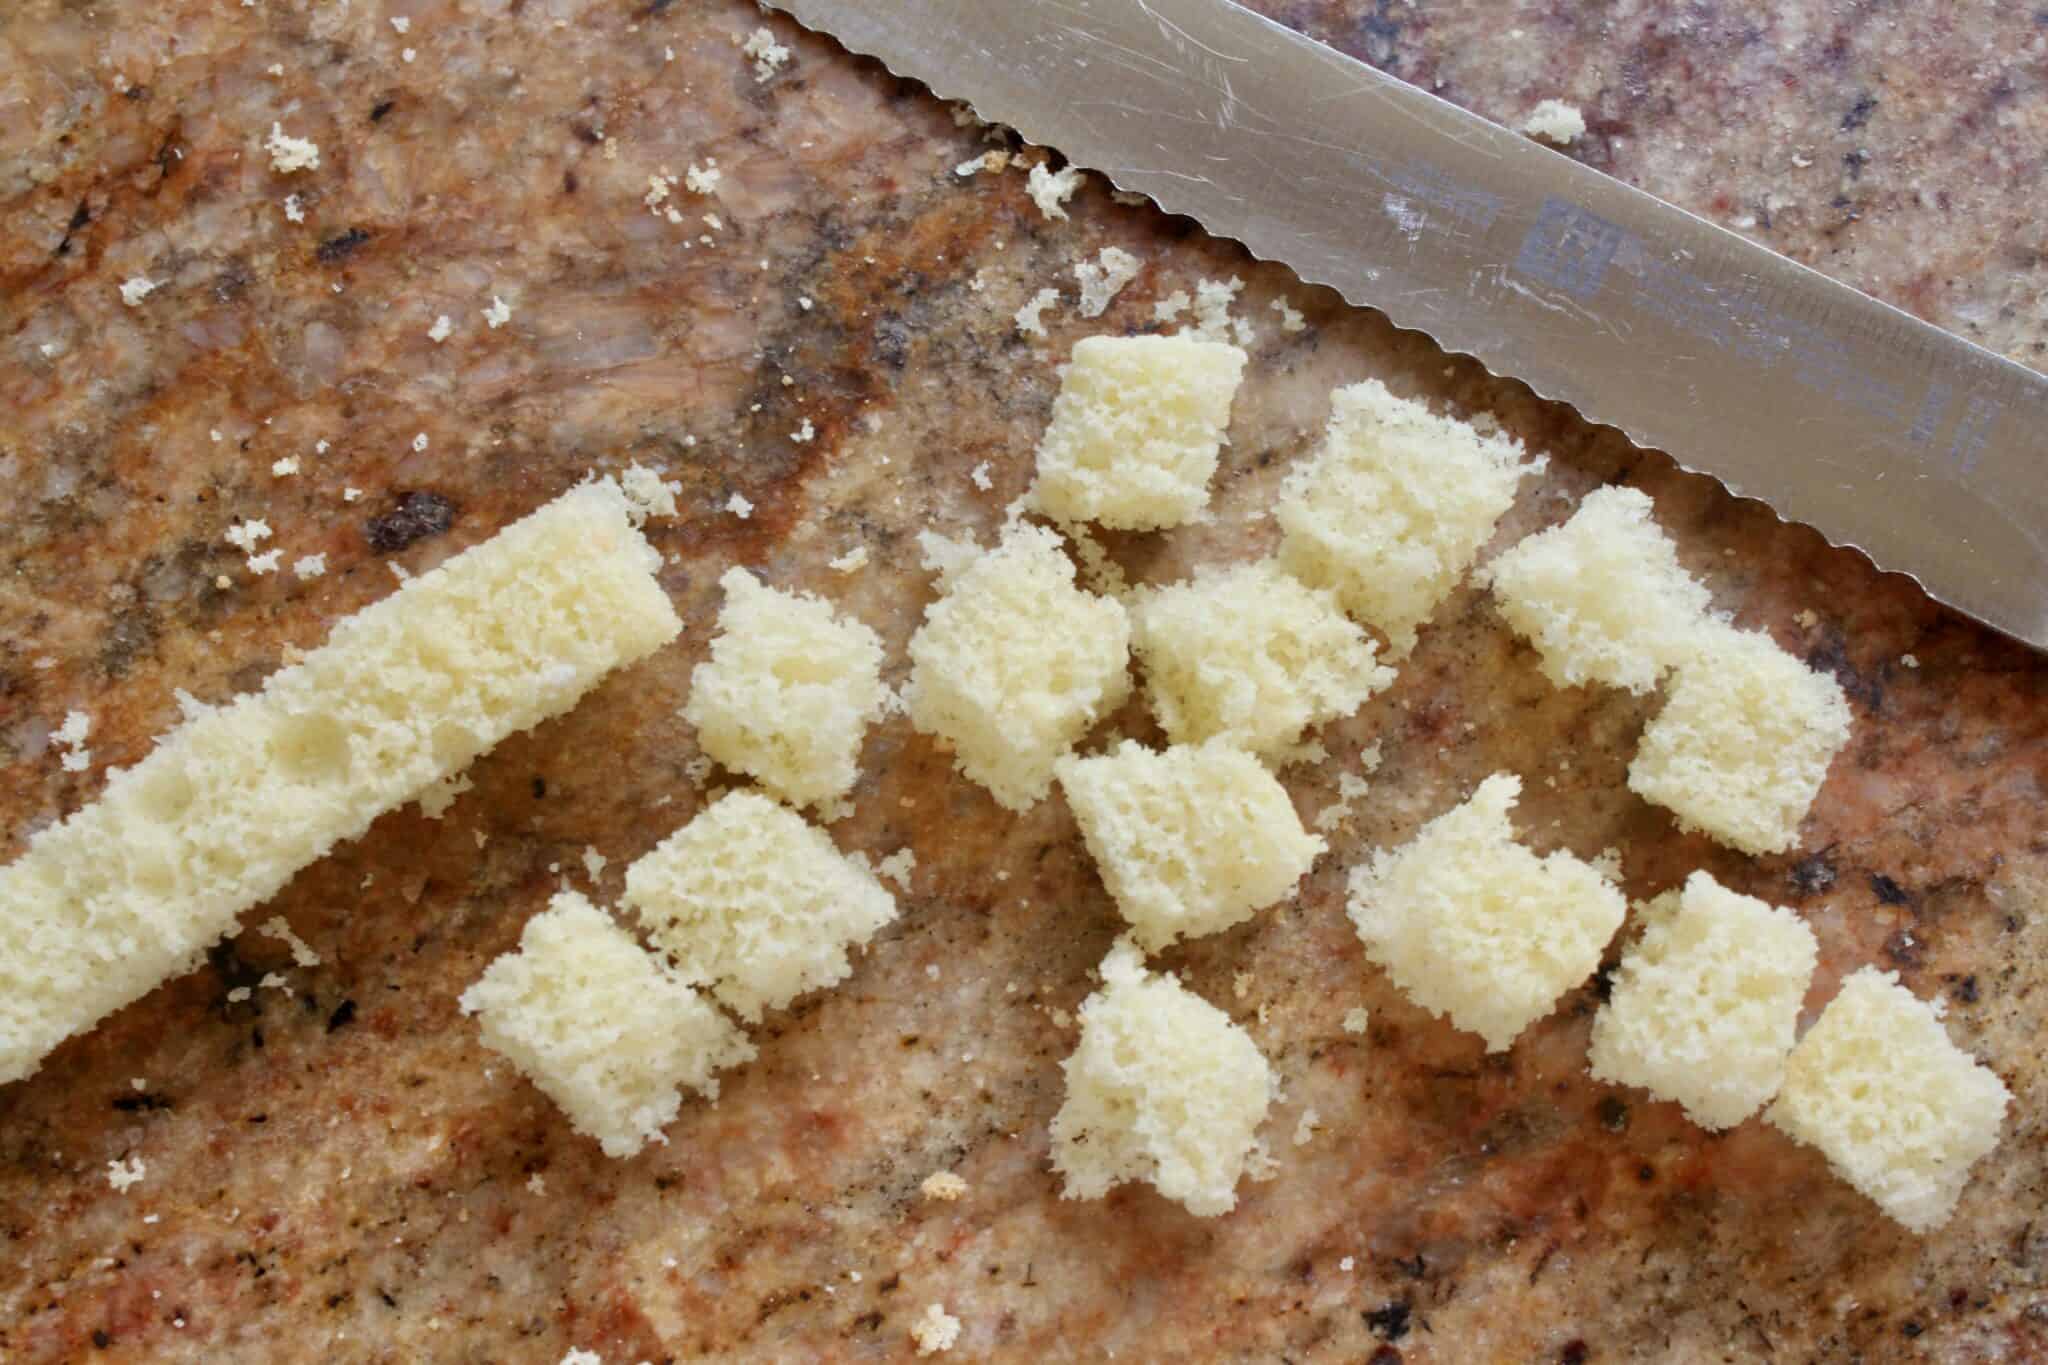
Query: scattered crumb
[[400, 23], [286, 467], [135, 289], [275, 927], [351, 494], [1240, 985], [853, 559], [647, 494], [1028, 317], [576, 1357], [273, 982], [407, 54], [1355, 1019], [1102, 280], [1555, 121], [803, 434], [265, 562], [443, 328], [979, 477], [438, 797], [739, 506], [804, 302], [72, 733], [1213, 300], [1051, 190], [1807, 619], [987, 161], [943, 1186], [594, 862], [768, 55], [702, 179], [1346, 1264], [1350, 787], [76, 760], [1170, 307], [1306, 1128], [537, 1183], [898, 866], [936, 1331], [288, 154], [1290, 317], [1907, 660], [498, 314], [245, 535], [310, 566], [123, 1174], [419, 442]]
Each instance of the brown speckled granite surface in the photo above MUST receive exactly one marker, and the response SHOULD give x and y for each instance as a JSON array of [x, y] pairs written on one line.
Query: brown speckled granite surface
[[335, 1170]]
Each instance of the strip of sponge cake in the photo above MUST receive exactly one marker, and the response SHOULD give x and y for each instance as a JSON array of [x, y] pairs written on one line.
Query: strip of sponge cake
[[132, 889]]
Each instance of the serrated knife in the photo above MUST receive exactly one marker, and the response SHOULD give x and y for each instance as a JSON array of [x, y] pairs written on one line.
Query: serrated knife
[[1881, 431]]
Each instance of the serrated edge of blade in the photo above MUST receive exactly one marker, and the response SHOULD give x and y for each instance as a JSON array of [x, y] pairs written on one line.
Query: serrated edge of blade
[[1590, 419]]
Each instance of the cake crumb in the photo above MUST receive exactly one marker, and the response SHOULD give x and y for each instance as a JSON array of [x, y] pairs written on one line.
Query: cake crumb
[[1290, 317], [1171, 307], [245, 535], [702, 179], [1556, 122], [853, 559], [310, 566], [1306, 1128], [122, 1174], [936, 1331], [1355, 1019], [443, 328], [943, 1186], [898, 866], [286, 467], [536, 1183], [1909, 661], [288, 153], [498, 314], [1029, 317], [739, 506], [1050, 190], [768, 55], [1104, 278], [978, 476], [136, 288], [302, 955]]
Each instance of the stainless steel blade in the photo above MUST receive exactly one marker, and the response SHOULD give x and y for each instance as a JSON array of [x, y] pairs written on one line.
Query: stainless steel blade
[[1928, 453]]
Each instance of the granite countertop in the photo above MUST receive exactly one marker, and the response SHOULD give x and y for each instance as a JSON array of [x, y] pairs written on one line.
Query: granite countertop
[[336, 1170]]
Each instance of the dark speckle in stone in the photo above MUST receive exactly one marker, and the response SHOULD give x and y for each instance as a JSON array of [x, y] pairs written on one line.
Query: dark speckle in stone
[[418, 516], [892, 341], [1832, 656], [1390, 1319], [1811, 875], [341, 247], [132, 634]]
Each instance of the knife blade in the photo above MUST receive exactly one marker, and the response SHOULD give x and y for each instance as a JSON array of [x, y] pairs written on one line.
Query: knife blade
[[1883, 432]]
